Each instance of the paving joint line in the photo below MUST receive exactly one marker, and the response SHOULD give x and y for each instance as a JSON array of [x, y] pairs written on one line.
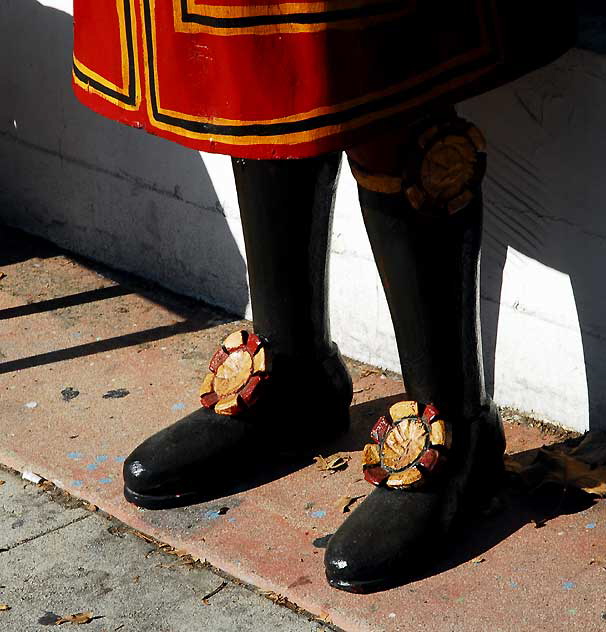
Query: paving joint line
[[41, 535]]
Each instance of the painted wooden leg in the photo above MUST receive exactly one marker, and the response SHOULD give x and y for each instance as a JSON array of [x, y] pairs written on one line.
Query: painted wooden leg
[[286, 210], [248, 410], [427, 251]]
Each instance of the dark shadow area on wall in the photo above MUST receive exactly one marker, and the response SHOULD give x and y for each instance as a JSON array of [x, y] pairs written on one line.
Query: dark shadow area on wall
[[99, 188], [591, 25], [545, 194]]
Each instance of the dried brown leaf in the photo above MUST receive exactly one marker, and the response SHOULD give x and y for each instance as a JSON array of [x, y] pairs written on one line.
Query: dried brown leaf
[[570, 464], [275, 597], [570, 472], [332, 463], [368, 372], [345, 502], [147, 538], [478, 560], [2, 482], [4, 607], [80, 618]]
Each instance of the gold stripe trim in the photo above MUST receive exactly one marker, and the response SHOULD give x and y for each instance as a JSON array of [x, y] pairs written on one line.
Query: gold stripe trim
[[281, 8], [88, 88], [270, 29], [124, 89], [102, 80], [376, 183]]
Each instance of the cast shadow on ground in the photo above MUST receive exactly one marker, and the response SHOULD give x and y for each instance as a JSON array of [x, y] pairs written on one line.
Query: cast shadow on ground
[[17, 246], [108, 191]]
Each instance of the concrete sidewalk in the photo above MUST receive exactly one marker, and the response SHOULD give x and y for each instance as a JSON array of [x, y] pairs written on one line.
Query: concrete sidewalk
[[57, 558]]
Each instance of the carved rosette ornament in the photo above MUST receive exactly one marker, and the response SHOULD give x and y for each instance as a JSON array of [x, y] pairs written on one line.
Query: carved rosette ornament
[[238, 371], [409, 447], [447, 168]]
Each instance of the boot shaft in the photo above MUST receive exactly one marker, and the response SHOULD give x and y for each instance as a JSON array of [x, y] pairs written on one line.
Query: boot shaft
[[429, 267], [286, 211]]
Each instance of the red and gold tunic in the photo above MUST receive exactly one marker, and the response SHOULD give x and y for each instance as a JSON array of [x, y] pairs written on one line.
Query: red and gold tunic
[[281, 79]]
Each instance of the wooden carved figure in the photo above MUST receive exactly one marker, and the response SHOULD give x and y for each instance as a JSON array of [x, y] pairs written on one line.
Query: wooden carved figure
[[284, 88]]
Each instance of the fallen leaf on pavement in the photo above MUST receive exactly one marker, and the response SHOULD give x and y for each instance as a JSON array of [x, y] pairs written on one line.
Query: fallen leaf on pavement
[[2, 482], [332, 463], [478, 560], [346, 502], [579, 463], [147, 538], [79, 618], [4, 607], [278, 599], [368, 372]]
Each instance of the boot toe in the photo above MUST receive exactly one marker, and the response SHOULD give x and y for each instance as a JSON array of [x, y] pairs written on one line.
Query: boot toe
[[188, 460], [385, 541]]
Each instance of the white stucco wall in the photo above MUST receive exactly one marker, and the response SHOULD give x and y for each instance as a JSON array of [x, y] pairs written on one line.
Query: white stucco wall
[[170, 214]]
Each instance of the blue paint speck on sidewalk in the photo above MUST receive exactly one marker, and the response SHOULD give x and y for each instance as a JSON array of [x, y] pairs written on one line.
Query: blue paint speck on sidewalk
[[178, 406], [591, 525], [105, 480], [568, 585], [513, 584], [212, 515], [120, 459], [74, 455], [77, 483], [318, 514], [92, 466], [101, 458]]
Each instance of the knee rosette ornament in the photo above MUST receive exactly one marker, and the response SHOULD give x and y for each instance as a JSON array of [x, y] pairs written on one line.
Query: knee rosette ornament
[[239, 371], [446, 167], [442, 172], [409, 447]]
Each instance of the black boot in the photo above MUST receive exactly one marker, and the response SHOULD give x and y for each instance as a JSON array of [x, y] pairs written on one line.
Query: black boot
[[429, 268], [286, 211]]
